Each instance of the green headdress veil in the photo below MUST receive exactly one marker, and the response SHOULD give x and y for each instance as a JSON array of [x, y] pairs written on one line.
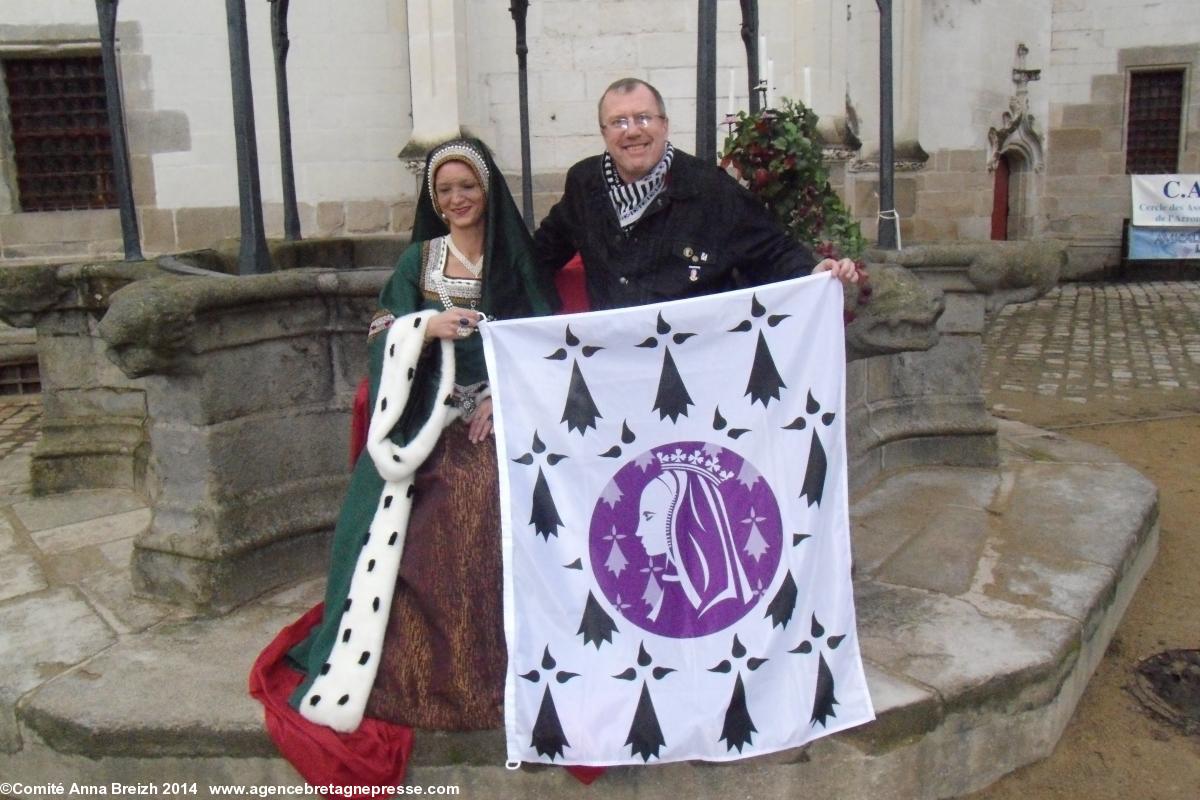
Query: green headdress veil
[[510, 286]]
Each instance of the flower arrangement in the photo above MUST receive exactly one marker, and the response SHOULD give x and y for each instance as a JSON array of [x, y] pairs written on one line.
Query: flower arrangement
[[777, 153]]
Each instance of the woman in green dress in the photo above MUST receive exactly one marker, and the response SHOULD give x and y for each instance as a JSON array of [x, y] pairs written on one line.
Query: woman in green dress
[[411, 632]]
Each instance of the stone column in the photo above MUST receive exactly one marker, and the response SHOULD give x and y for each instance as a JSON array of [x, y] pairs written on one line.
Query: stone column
[[907, 77], [433, 62]]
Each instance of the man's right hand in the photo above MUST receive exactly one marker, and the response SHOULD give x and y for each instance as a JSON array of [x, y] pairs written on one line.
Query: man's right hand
[[845, 270]]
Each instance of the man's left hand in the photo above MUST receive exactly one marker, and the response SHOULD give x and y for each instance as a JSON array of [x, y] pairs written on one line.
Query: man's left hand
[[844, 269]]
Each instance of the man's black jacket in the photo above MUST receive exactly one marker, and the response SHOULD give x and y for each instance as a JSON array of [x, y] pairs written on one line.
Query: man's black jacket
[[704, 233]]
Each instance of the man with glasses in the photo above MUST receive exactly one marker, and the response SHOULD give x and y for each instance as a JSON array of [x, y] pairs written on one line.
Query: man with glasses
[[654, 223]]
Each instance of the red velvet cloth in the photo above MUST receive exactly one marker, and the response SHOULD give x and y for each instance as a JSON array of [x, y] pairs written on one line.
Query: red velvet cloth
[[376, 754], [360, 418], [572, 288]]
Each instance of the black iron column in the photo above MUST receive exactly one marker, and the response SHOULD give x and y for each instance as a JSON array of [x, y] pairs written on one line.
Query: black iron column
[[888, 221], [706, 81], [750, 39], [519, 9], [253, 258], [280, 44], [106, 13]]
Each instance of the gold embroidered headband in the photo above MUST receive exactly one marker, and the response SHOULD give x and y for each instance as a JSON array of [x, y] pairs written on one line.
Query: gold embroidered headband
[[456, 151]]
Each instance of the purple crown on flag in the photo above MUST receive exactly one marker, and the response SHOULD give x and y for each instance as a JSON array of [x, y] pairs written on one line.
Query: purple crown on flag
[[709, 466]]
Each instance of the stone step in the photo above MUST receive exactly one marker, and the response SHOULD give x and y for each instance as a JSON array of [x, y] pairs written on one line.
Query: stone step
[[986, 598]]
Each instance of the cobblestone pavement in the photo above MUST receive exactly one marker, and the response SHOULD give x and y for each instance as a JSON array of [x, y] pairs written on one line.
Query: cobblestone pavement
[[1107, 342], [20, 422]]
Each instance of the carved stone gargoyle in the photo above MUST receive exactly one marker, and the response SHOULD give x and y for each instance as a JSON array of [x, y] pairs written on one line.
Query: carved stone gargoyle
[[1005, 272], [901, 314]]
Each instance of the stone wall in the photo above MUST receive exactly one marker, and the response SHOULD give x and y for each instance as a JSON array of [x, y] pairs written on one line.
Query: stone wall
[[349, 108], [1086, 195], [350, 88]]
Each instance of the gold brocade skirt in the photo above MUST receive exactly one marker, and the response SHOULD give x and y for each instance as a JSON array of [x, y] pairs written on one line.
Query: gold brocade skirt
[[443, 660]]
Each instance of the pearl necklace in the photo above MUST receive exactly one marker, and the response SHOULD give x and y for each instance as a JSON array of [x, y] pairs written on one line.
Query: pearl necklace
[[474, 267], [439, 277]]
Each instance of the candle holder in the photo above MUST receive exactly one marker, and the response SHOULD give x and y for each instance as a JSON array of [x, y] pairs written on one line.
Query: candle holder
[[730, 122], [760, 89]]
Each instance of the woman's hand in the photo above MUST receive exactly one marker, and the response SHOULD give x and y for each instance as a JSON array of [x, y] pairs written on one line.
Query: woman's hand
[[453, 323], [480, 423], [844, 270]]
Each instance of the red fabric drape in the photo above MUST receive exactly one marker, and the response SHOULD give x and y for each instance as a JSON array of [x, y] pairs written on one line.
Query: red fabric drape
[[572, 289], [374, 755], [359, 420]]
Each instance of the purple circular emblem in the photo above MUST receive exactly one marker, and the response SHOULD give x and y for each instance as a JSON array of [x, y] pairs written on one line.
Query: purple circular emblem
[[685, 539]]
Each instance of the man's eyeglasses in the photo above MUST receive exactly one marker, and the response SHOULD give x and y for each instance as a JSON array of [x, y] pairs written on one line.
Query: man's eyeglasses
[[625, 123]]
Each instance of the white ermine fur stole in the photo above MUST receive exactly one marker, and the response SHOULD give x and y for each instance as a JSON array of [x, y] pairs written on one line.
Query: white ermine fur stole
[[338, 695]]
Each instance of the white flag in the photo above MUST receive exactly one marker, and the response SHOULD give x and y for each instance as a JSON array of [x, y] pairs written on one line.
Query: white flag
[[675, 528]]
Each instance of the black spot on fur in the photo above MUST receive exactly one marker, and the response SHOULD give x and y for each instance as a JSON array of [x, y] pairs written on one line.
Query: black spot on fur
[[316, 698], [365, 657], [371, 565], [392, 539], [411, 490], [375, 604], [325, 668], [346, 635], [346, 607], [343, 699], [387, 501]]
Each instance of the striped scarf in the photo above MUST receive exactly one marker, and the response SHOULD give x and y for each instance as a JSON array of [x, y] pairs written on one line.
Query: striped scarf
[[632, 199]]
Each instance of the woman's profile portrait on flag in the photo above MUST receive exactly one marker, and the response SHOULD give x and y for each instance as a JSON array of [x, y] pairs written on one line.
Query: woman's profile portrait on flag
[[682, 516]]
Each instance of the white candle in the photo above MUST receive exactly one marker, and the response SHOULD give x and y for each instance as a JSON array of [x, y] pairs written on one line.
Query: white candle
[[770, 83], [762, 57], [808, 87], [729, 107]]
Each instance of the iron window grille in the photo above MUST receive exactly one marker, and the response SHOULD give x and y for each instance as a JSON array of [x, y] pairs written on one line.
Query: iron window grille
[[61, 142], [1154, 120], [20, 378]]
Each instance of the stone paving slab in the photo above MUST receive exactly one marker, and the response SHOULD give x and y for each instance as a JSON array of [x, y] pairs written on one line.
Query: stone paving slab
[[93, 531], [58, 510], [20, 574], [45, 634], [177, 690]]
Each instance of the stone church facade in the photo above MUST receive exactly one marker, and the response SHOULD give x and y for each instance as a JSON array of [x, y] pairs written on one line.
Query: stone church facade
[[1017, 119]]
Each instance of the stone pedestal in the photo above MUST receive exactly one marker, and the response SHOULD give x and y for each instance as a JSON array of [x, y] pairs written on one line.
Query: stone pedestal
[[924, 407], [910, 404], [94, 417]]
